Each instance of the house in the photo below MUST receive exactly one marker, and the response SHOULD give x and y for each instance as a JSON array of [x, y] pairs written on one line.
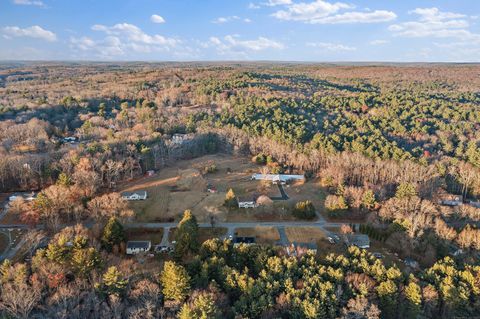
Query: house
[[138, 246], [247, 203], [26, 196], [452, 203], [278, 178], [137, 195], [70, 139], [179, 139], [243, 240], [359, 240]]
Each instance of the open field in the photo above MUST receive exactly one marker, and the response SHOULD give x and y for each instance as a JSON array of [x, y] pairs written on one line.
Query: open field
[[263, 235], [184, 186], [304, 234], [154, 235]]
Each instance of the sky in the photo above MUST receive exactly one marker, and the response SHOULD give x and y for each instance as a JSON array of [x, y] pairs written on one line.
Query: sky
[[212, 30]]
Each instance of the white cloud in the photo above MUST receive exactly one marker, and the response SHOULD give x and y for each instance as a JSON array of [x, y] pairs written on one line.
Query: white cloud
[[432, 22], [222, 20], [232, 45], [155, 18], [334, 47], [273, 3], [32, 32], [122, 39], [253, 6], [29, 2], [379, 42], [135, 34], [323, 12]]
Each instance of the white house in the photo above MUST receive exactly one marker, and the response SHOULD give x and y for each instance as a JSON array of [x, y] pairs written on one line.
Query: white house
[[181, 138], [138, 246], [247, 203], [137, 195], [26, 196], [277, 178]]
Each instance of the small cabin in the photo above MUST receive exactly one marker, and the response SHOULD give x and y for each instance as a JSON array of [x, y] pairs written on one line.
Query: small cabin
[[138, 246], [138, 195]]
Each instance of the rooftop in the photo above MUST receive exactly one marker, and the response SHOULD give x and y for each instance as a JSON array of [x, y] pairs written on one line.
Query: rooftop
[[134, 244]]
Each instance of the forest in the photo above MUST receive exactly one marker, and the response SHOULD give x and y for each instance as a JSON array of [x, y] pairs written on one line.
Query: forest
[[389, 144]]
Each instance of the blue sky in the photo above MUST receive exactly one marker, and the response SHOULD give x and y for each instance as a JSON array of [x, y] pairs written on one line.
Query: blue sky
[[286, 30]]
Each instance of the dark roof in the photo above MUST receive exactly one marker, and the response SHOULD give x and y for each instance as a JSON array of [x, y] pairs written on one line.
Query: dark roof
[[246, 240], [305, 245], [359, 240], [244, 199], [145, 244]]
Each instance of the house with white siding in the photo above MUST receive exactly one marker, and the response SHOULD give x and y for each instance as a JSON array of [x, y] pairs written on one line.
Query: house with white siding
[[137, 195]]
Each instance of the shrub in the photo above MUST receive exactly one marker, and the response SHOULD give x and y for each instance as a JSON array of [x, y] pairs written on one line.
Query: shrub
[[230, 199], [304, 210]]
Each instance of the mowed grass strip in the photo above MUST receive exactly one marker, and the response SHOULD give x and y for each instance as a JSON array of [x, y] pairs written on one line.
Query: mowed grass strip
[[304, 234], [154, 235], [263, 235]]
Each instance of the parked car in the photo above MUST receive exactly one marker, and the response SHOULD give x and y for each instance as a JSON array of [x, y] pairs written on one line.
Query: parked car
[[333, 239], [377, 255]]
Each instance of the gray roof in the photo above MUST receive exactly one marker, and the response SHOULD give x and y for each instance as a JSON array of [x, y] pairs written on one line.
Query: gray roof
[[360, 240], [139, 193], [143, 244]]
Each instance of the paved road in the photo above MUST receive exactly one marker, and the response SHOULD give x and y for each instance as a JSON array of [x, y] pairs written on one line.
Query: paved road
[[283, 236], [283, 194], [11, 251]]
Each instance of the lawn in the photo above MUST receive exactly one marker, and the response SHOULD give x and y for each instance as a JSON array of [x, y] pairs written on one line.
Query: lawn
[[3, 242], [263, 235], [184, 186], [304, 234], [154, 235]]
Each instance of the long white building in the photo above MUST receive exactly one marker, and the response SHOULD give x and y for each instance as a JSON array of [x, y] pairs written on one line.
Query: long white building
[[275, 178]]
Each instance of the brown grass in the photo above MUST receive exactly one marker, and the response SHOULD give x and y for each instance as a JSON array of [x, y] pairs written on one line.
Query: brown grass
[[304, 234], [263, 235], [154, 235]]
